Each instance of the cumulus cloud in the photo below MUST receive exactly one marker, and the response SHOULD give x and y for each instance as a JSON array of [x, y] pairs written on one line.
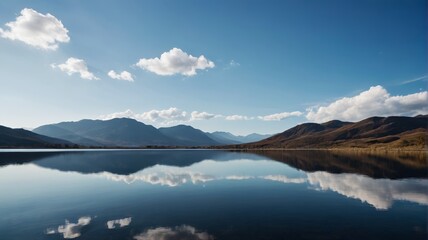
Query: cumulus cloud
[[374, 102], [174, 115], [125, 114], [280, 116], [380, 193], [238, 177], [119, 223], [168, 116], [124, 75], [238, 118], [195, 115], [36, 29], [175, 233], [175, 62], [284, 179], [75, 65], [70, 230], [163, 178]]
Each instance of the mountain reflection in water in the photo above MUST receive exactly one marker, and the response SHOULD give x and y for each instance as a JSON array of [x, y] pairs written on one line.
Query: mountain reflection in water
[[205, 194]]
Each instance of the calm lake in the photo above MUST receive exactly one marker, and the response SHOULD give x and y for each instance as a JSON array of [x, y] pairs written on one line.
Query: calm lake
[[208, 194]]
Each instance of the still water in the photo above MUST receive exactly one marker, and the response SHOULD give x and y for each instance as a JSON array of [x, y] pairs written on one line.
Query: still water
[[204, 194]]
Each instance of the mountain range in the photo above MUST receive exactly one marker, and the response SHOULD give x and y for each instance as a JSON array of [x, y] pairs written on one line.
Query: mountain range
[[125, 132], [374, 132]]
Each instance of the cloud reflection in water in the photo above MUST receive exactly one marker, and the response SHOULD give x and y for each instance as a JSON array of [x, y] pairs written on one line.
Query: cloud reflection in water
[[119, 223], [175, 233], [380, 193], [70, 230]]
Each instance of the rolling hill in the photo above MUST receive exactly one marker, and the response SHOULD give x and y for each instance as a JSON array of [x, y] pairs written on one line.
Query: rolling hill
[[374, 132]]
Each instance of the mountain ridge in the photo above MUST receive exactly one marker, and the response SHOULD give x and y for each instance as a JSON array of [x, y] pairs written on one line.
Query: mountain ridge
[[18, 137], [126, 132], [386, 132]]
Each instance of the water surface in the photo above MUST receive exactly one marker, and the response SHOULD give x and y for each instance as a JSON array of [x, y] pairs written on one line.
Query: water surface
[[203, 194]]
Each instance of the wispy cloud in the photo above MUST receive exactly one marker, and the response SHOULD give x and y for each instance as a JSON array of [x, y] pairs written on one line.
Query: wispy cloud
[[422, 78], [280, 116], [43, 31], [234, 63], [238, 118]]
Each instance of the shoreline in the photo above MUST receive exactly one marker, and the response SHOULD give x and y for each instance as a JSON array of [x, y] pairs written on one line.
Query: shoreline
[[4, 149]]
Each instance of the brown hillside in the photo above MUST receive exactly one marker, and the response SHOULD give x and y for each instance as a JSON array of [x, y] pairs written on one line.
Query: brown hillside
[[374, 132]]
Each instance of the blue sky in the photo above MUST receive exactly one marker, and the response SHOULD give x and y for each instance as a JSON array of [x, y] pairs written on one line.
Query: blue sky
[[256, 66]]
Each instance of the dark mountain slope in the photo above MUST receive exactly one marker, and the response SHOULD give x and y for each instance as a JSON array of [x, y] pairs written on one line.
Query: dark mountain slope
[[62, 133], [22, 138], [188, 136], [115, 132]]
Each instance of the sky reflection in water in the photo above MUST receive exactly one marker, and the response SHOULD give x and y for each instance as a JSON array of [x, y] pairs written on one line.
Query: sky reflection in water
[[199, 195]]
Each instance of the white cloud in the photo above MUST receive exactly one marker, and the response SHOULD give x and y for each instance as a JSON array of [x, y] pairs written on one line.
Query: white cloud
[[195, 115], [174, 115], [70, 230], [75, 65], [166, 116], [125, 114], [124, 75], [284, 179], [380, 193], [175, 233], [119, 223], [238, 118], [238, 177], [36, 29], [175, 62], [424, 78], [280, 116], [374, 102]]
